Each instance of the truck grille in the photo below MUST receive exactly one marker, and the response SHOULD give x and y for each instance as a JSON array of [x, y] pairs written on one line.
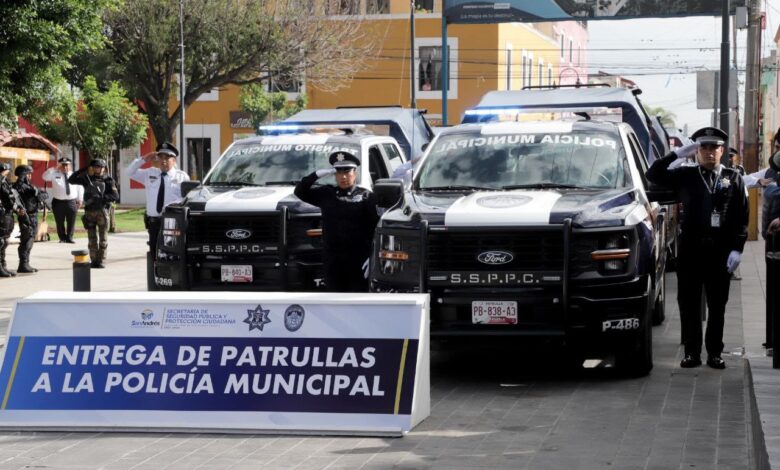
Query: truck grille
[[264, 228], [536, 250]]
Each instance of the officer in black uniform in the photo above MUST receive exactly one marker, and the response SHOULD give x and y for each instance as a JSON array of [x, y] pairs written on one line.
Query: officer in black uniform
[[99, 193], [734, 161], [8, 206], [349, 217], [31, 199], [713, 234]]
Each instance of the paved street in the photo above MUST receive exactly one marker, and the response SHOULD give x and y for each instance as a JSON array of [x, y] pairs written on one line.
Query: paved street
[[497, 409]]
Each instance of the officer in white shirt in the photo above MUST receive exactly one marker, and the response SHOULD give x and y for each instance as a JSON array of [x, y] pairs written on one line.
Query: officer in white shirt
[[163, 185], [66, 198]]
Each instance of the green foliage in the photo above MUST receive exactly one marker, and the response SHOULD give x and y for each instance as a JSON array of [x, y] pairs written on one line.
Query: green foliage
[[228, 43], [667, 117], [37, 38], [264, 106], [93, 120]]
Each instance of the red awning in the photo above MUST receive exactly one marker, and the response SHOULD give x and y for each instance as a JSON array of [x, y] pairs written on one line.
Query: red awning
[[25, 139]]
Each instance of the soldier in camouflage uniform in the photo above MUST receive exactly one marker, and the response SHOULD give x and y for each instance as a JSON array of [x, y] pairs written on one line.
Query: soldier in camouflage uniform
[[99, 192], [8, 205]]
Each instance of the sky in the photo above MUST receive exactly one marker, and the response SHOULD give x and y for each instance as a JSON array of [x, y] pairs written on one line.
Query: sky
[[662, 57]]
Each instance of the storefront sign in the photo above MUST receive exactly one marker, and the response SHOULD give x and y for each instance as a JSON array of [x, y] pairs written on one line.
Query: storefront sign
[[324, 363], [240, 120]]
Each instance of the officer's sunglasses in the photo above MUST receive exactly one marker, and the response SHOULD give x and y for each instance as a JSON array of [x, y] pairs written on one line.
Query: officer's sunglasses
[[711, 146]]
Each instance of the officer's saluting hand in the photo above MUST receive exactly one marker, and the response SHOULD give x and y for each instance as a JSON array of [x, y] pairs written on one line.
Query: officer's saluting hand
[[713, 234], [349, 217]]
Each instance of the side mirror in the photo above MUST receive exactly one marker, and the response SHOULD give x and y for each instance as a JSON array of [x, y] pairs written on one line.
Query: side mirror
[[662, 195], [388, 192], [187, 186]]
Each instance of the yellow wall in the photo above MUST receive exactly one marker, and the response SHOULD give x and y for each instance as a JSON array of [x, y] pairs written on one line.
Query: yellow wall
[[481, 68]]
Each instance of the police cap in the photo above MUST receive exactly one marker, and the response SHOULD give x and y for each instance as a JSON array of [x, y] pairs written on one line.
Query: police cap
[[98, 162], [4, 167], [167, 149], [733, 151], [342, 159], [64, 161], [710, 135]]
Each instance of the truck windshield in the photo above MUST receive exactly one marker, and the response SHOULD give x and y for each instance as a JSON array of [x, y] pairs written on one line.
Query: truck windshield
[[513, 161], [260, 165]]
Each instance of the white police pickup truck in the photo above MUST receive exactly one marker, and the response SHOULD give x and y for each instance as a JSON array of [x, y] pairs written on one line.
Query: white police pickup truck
[[244, 229], [530, 229]]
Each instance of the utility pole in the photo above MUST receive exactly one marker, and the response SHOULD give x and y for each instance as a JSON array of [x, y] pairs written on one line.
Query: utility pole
[[724, 68], [413, 83], [182, 144], [752, 78]]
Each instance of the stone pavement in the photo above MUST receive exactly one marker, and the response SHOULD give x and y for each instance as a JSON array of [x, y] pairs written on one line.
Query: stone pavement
[[495, 408]]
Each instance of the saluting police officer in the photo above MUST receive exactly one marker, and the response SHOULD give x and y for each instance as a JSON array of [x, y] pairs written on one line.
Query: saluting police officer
[[713, 234], [99, 192], [30, 198], [66, 199], [163, 186], [8, 205], [349, 217]]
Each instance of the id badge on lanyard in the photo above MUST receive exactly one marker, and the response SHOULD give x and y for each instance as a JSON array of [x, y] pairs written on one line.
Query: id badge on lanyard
[[715, 219]]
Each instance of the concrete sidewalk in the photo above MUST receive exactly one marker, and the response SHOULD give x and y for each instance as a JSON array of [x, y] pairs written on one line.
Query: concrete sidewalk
[[765, 405], [488, 410]]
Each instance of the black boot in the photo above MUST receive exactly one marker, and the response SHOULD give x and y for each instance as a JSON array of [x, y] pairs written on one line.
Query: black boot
[[4, 272], [24, 266]]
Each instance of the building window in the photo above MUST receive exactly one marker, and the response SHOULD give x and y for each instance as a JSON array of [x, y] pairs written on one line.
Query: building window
[[374, 7], [563, 46], [509, 67], [571, 51], [292, 86], [522, 70], [540, 82], [426, 5], [429, 80]]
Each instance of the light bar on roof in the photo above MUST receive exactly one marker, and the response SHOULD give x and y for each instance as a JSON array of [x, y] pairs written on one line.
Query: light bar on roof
[[309, 127], [511, 111]]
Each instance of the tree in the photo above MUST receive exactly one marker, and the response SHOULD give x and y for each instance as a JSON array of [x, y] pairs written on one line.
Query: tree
[[231, 42], [261, 104], [37, 39], [667, 117], [90, 119]]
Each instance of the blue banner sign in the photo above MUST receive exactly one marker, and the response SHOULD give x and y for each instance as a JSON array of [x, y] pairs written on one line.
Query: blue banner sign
[[321, 365], [505, 11]]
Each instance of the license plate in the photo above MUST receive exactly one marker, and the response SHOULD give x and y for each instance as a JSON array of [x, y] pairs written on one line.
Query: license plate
[[494, 312], [236, 273]]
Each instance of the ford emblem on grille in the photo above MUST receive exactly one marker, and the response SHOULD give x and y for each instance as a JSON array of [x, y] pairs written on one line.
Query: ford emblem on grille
[[238, 234], [495, 257]]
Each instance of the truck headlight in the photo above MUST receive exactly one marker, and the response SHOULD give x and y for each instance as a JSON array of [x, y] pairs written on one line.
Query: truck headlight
[[397, 255], [613, 254], [171, 233]]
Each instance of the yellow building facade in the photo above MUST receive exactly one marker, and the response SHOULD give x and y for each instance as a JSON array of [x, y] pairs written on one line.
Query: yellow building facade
[[482, 58]]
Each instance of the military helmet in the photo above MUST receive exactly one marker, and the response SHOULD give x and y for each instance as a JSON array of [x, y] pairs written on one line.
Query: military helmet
[[4, 167], [98, 162], [22, 169]]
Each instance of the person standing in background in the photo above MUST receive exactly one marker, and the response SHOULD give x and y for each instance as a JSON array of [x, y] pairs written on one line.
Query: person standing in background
[[66, 199], [163, 186]]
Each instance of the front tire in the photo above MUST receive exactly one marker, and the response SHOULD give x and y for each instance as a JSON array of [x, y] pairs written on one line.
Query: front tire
[[637, 360]]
